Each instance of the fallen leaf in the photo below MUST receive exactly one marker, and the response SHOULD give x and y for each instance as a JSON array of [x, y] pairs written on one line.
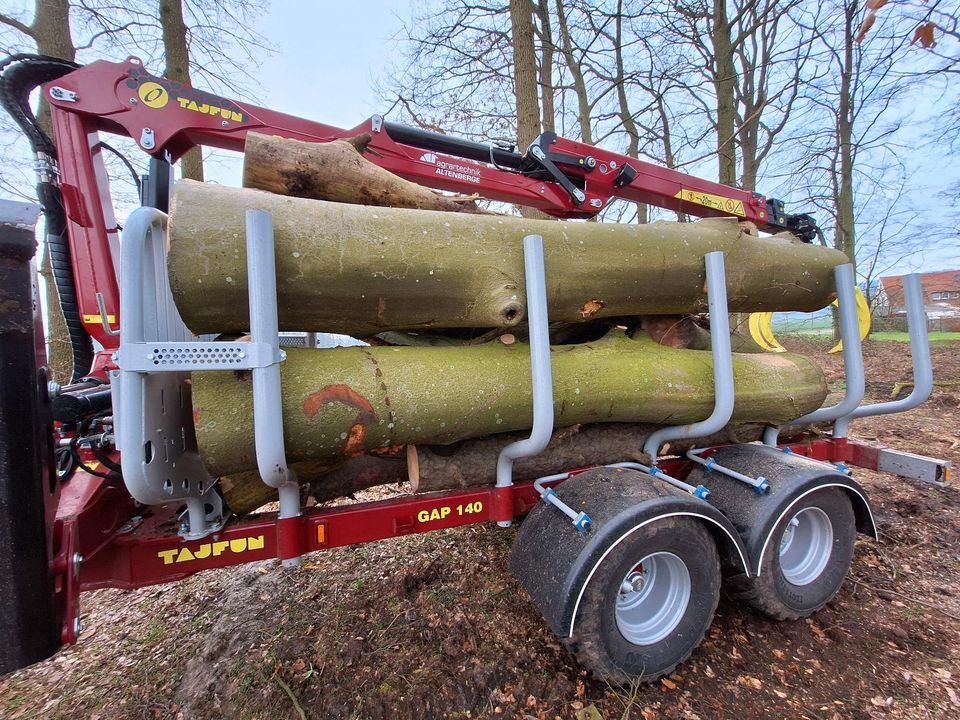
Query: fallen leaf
[[590, 712], [748, 681], [668, 684]]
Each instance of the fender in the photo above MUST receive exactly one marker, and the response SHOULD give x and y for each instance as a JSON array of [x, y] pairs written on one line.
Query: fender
[[791, 478]]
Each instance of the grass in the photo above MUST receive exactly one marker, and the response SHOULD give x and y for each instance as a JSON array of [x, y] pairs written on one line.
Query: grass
[[903, 337]]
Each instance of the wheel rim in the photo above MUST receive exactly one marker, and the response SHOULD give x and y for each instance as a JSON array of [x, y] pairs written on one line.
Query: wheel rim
[[653, 598], [806, 546]]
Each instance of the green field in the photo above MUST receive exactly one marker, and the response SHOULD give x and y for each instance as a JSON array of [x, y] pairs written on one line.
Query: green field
[[903, 337]]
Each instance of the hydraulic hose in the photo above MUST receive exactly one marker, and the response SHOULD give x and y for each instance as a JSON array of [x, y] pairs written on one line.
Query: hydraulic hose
[[19, 76]]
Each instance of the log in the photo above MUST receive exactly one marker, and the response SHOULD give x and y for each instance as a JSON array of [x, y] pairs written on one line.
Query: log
[[362, 270], [335, 171], [322, 480], [472, 463], [347, 401]]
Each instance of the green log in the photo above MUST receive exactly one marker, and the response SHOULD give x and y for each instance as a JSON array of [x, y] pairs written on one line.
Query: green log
[[346, 401], [362, 270]]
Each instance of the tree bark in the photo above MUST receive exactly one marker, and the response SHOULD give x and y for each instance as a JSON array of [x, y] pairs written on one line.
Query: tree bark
[[584, 109], [524, 72], [361, 270], [470, 463], [724, 84], [334, 171], [176, 50], [349, 401], [547, 90], [623, 103], [473, 463], [322, 480], [525, 83]]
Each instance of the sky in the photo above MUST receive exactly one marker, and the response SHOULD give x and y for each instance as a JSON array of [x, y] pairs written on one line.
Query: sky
[[328, 57]]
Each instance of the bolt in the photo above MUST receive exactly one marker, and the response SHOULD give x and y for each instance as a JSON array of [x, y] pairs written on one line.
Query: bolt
[[77, 560], [53, 389], [591, 162], [133, 101], [224, 123]]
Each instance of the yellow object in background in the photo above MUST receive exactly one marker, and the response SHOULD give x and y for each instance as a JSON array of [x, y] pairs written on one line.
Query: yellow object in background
[[761, 330]]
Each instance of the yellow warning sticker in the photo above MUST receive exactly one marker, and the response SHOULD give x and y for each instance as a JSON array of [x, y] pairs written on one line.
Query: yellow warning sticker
[[95, 319], [717, 202]]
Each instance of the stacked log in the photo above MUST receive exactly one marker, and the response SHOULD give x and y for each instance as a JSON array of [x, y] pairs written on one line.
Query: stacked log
[[438, 413]]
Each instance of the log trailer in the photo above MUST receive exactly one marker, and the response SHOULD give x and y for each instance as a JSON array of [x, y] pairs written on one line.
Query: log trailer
[[101, 484]]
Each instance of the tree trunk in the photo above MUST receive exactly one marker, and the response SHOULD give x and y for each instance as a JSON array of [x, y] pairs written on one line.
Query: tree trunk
[[334, 171], [584, 110], [626, 116], [845, 233], [52, 34], [176, 50], [525, 88], [724, 83], [362, 270], [349, 401], [547, 89], [524, 72]]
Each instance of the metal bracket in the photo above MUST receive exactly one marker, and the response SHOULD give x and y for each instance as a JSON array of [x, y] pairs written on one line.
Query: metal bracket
[[919, 353], [541, 370], [62, 94], [153, 412], [852, 358], [576, 194], [722, 365]]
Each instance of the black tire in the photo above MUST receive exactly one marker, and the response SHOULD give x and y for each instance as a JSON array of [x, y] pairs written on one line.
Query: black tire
[[598, 643], [772, 593]]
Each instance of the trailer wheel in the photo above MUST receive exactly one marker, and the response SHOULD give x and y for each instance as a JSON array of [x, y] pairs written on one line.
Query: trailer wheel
[[806, 557], [649, 602]]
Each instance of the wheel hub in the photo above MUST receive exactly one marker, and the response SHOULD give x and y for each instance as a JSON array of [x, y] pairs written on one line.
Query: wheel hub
[[806, 546], [653, 598]]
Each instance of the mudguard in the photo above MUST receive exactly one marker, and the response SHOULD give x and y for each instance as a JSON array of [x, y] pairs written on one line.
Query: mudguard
[[790, 476], [555, 562]]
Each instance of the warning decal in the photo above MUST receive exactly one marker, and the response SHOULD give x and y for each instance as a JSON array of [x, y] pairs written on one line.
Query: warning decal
[[717, 202]]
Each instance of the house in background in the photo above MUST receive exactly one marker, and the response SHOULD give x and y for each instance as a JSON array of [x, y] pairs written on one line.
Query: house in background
[[941, 291]]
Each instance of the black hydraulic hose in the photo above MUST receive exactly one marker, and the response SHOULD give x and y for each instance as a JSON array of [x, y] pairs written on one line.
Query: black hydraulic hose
[[19, 76], [460, 147]]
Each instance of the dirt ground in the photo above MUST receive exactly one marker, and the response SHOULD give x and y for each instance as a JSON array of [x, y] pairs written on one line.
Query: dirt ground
[[434, 626]]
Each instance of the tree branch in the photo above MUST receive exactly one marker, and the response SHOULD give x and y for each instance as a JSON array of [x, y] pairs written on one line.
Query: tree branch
[[18, 25]]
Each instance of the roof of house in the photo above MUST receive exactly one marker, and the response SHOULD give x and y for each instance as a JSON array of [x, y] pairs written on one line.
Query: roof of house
[[946, 280]]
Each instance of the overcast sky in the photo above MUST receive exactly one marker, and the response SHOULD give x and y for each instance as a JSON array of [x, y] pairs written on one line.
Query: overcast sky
[[328, 56]]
